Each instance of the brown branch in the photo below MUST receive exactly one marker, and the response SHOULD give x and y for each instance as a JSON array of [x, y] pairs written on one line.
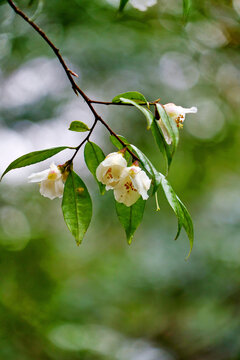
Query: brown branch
[[69, 74]]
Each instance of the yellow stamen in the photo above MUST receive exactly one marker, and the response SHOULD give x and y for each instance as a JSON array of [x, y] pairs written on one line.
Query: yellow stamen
[[52, 175]]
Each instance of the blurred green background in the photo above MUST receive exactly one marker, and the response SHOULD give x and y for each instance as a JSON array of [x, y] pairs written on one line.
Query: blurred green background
[[105, 300]]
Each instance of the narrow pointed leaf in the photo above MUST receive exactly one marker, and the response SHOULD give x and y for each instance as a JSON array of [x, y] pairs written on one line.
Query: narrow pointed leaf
[[172, 199], [78, 126], [131, 95], [188, 225], [130, 217], [117, 143], [149, 167], [147, 113], [93, 156], [186, 9], [161, 143], [170, 125], [183, 216], [33, 158], [122, 5], [76, 206]]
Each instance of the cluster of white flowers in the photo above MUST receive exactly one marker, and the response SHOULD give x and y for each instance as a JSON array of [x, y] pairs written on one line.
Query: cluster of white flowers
[[127, 183]]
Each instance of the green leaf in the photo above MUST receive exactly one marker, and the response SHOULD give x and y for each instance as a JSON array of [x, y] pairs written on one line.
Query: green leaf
[[161, 143], [172, 200], [76, 206], [131, 95], [186, 9], [117, 143], [93, 156], [78, 126], [119, 146], [183, 216], [130, 217], [149, 167], [147, 113], [188, 225], [122, 5], [170, 125], [33, 158]]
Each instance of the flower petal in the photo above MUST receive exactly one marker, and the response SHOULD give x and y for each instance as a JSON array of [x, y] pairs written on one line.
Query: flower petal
[[142, 5], [59, 187], [116, 159], [125, 192], [110, 170], [38, 177], [192, 110], [142, 183], [51, 189], [47, 189]]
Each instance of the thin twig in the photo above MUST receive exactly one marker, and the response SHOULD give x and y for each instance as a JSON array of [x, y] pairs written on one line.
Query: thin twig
[[75, 87]]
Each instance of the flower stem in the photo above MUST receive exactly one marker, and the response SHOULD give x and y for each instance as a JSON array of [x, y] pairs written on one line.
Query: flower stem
[[157, 204]]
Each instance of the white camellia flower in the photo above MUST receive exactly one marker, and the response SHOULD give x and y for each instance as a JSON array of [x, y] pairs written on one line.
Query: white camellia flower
[[134, 183], [51, 182], [142, 5], [178, 114], [110, 170]]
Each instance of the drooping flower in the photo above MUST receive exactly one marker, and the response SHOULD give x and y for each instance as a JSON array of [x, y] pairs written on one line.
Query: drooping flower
[[51, 182], [110, 170], [178, 114], [142, 5], [134, 183]]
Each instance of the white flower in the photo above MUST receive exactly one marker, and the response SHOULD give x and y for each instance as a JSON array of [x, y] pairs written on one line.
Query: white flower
[[110, 170], [134, 183], [51, 182], [178, 114], [142, 5]]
